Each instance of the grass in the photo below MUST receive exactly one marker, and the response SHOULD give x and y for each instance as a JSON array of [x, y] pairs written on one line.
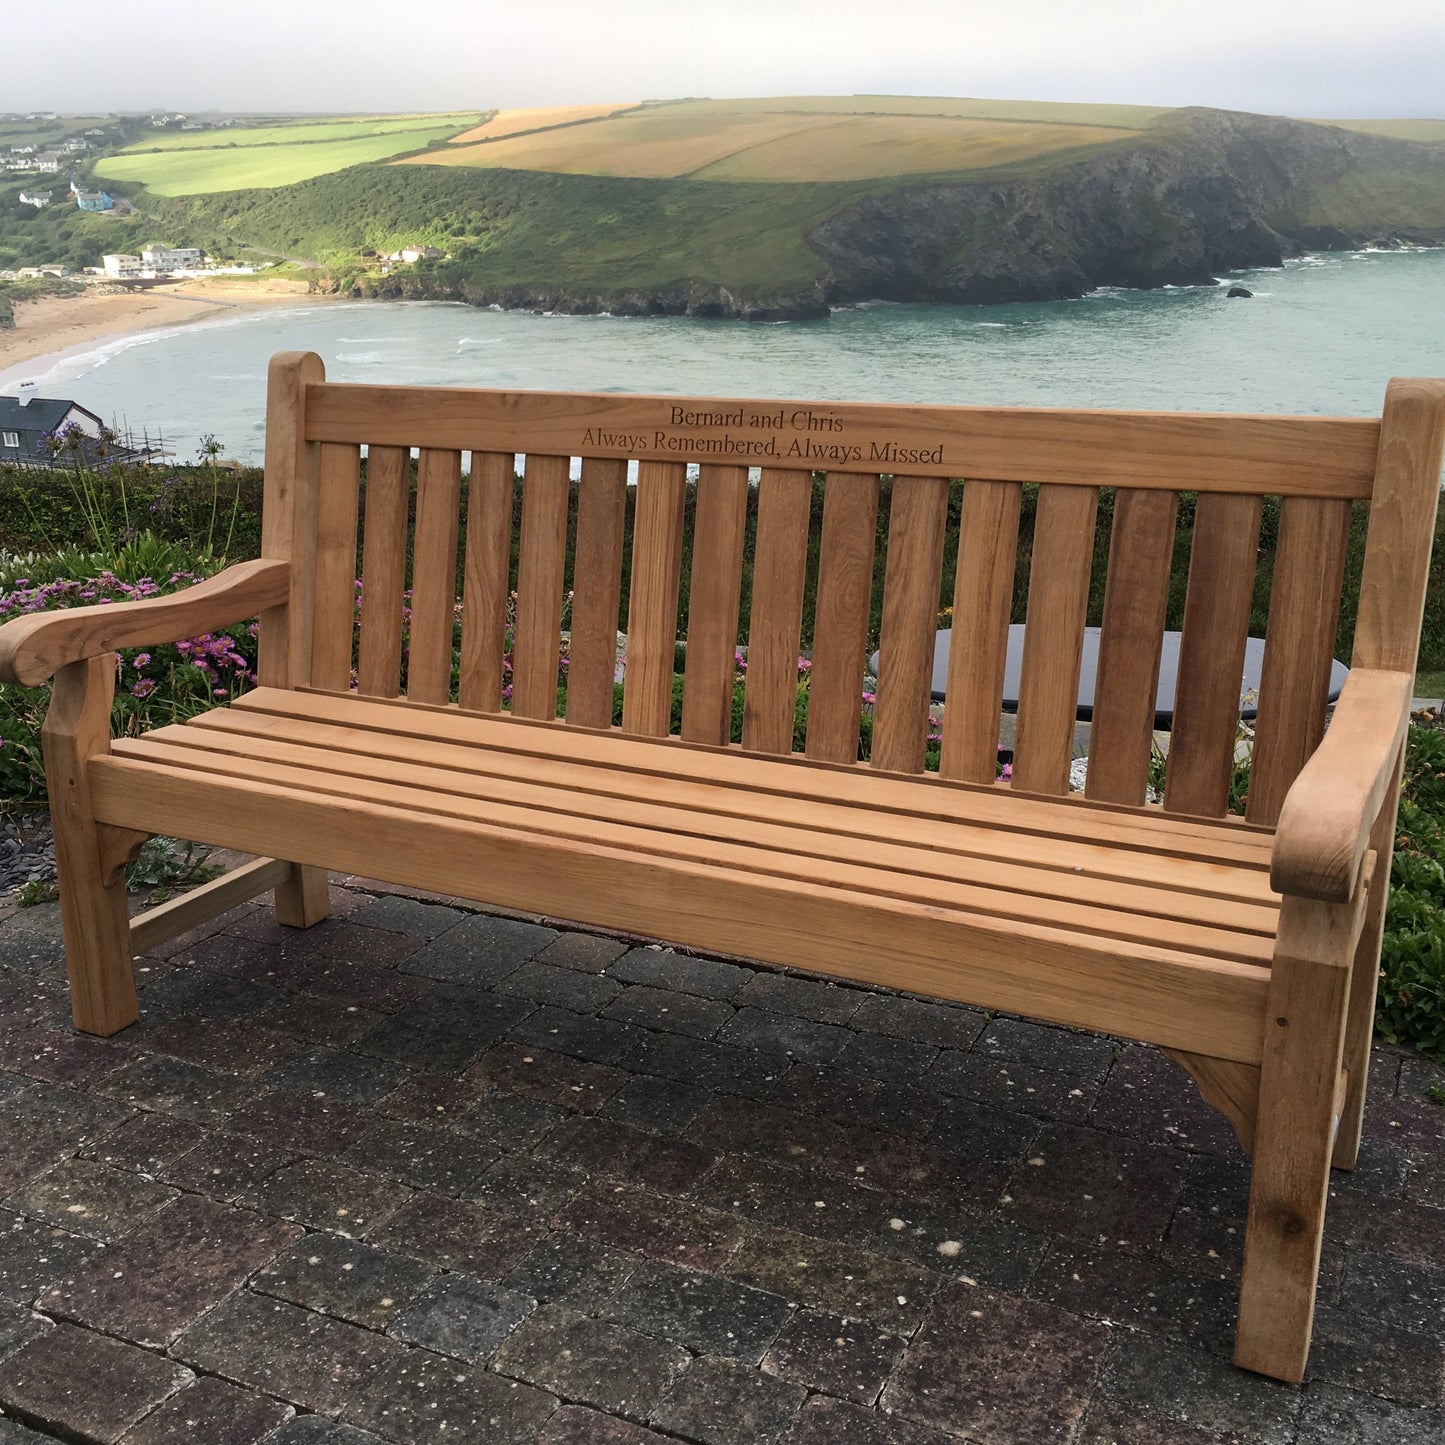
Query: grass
[[1430, 684], [295, 133], [784, 140], [207, 171], [1424, 130]]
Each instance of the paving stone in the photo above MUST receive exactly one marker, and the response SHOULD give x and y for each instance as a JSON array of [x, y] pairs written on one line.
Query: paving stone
[[424, 1042], [41, 1124], [214, 1412], [1128, 1286], [346, 1278], [944, 1238], [833, 1277], [524, 1185], [1091, 1184], [1047, 1046], [722, 1402], [980, 1133], [13, 1434], [1148, 1097], [666, 1229], [1004, 1083], [920, 1020], [806, 998], [1108, 1423], [1351, 1349], [823, 1421], [998, 1369], [830, 1092], [19, 1325], [462, 1317], [33, 1255], [1406, 1296], [166, 1274], [566, 1270], [92, 1199], [1408, 1118], [334, 937], [316, 1430], [663, 968], [1406, 1231], [480, 950], [421, 1398], [455, 1234], [586, 952], [309, 1359], [229, 1046], [579, 1425], [405, 915], [1209, 1221], [705, 1064], [86, 1384], [199, 993], [600, 1040], [57, 1056], [425, 1156], [511, 1122], [710, 1316], [671, 1010], [320, 1020], [591, 1361], [1329, 1416], [892, 1061], [553, 1078], [351, 1080], [616, 1151], [220, 951], [1380, 1168], [838, 1356], [145, 1143], [807, 1200], [324, 1194], [662, 1106], [583, 993], [227, 1166], [435, 1098], [174, 1086], [782, 1034], [1197, 1389], [298, 1123]]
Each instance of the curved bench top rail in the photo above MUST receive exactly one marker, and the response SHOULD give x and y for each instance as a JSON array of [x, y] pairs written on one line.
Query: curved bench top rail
[[1283, 455]]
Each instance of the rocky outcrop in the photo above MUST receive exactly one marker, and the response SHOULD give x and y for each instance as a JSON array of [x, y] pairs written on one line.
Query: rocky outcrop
[[1204, 192]]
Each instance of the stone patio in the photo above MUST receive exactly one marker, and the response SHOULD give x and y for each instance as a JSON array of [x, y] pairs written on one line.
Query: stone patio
[[423, 1174]]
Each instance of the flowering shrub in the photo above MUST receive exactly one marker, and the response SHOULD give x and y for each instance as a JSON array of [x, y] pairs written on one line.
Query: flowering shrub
[[154, 686]]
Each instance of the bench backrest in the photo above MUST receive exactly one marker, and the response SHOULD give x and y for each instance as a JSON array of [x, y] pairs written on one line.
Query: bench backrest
[[1319, 468]]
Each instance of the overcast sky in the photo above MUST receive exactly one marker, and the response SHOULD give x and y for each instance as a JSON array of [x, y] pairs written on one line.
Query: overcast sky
[[1341, 58]]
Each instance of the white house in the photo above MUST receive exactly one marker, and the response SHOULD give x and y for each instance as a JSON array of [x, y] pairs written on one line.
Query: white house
[[171, 258], [123, 268], [38, 199], [48, 163]]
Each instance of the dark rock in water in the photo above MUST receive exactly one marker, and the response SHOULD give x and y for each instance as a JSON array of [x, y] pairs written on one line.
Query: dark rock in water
[[1238, 291]]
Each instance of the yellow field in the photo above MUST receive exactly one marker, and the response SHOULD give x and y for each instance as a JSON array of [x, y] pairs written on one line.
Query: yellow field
[[510, 122], [792, 139]]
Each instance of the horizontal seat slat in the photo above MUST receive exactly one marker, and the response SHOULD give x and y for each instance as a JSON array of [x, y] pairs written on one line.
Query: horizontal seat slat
[[1138, 990], [909, 798], [1217, 925]]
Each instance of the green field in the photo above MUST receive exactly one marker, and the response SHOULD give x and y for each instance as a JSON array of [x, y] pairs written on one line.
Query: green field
[[204, 171], [1426, 130], [298, 132]]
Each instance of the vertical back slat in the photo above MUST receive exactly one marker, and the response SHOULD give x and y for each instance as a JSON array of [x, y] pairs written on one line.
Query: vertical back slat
[[840, 632], [484, 583], [1211, 653], [335, 626], [913, 576], [1141, 548], [1054, 637], [383, 570], [712, 608], [652, 601], [1304, 608], [541, 569], [596, 591], [780, 567], [982, 600], [434, 575]]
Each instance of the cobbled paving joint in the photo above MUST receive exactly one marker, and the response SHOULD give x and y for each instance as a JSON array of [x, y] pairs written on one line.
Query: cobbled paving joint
[[423, 1174]]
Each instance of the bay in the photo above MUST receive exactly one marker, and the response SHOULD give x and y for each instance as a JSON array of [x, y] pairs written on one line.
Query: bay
[[1320, 336]]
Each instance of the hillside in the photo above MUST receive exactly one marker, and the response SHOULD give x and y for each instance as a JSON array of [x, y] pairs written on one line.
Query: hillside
[[780, 208]]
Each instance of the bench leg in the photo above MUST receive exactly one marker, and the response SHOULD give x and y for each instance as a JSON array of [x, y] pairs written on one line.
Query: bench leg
[[304, 898], [93, 916], [1294, 1134]]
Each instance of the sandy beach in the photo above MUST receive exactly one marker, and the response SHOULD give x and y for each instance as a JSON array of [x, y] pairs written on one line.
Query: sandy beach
[[55, 324]]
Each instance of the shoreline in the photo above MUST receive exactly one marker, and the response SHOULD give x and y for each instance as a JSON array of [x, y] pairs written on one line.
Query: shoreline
[[52, 329]]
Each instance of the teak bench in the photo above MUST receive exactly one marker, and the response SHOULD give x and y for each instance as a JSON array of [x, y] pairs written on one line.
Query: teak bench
[[1246, 948]]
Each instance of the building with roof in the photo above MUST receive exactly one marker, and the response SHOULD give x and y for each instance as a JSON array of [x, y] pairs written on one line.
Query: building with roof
[[29, 424]]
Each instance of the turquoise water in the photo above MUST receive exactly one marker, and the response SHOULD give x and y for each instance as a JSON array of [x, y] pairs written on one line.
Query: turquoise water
[[1320, 336]]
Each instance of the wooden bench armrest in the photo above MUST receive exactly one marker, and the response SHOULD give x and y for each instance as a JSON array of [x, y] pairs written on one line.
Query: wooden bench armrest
[[1324, 825], [33, 647]]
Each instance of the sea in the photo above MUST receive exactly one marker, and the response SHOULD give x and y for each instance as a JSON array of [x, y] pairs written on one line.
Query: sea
[[1320, 336]]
